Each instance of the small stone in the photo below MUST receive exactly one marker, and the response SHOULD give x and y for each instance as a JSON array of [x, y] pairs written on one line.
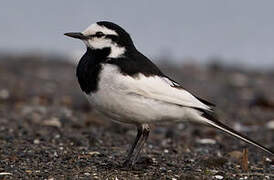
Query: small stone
[[206, 141], [270, 125], [163, 169], [57, 136], [166, 151], [55, 154], [241, 128], [5, 173], [87, 174], [235, 155], [4, 94], [213, 171], [92, 153], [53, 122], [218, 177], [28, 171], [36, 141]]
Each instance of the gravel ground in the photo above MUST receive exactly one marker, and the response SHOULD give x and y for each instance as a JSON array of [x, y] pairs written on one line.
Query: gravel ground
[[49, 131]]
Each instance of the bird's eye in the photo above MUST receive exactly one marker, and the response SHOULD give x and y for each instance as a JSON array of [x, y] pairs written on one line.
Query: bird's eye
[[99, 34]]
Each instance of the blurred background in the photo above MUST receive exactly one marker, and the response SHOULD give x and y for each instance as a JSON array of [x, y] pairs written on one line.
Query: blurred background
[[234, 32], [222, 51]]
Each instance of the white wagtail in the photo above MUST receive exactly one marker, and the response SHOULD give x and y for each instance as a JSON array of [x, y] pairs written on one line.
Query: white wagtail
[[126, 86]]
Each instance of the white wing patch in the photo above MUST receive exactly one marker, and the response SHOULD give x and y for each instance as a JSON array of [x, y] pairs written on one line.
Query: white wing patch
[[158, 88]]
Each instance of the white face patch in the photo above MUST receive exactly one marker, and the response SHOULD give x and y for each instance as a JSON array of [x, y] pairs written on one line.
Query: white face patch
[[92, 29], [102, 42]]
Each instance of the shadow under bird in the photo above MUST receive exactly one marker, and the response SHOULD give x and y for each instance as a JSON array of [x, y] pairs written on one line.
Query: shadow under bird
[[123, 84]]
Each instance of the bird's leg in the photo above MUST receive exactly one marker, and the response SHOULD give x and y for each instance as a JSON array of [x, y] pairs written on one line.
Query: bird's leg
[[145, 134], [139, 134], [141, 138]]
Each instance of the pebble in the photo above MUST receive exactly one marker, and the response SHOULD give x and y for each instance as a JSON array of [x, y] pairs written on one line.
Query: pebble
[[55, 154], [206, 141], [57, 136], [4, 94], [54, 121], [5, 173], [36, 141], [270, 125], [236, 155], [268, 159], [28, 171], [241, 128], [214, 171], [163, 169], [218, 177], [154, 160], [93, 153], [87, 174]]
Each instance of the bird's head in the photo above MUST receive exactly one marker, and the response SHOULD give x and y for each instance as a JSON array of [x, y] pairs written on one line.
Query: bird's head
[[103, 35]]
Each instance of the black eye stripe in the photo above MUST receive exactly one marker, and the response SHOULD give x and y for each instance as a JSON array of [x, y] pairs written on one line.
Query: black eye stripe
[[99, 34]]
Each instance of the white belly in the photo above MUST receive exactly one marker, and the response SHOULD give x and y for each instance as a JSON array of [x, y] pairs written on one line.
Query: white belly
[[113, 100]]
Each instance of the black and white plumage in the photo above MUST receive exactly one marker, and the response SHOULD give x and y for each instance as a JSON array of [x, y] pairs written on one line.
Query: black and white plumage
[[126, 86]]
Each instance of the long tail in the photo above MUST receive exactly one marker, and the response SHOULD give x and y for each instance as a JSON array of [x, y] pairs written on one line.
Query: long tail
[[211, 120]]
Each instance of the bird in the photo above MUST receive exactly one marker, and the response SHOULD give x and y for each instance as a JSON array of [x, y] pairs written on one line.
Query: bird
[[126, 86]]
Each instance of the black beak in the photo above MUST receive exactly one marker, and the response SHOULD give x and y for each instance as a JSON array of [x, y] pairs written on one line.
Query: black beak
[[76, 35]]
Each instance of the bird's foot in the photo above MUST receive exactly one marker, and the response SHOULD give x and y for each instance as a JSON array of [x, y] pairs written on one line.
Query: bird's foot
[[128, 164]]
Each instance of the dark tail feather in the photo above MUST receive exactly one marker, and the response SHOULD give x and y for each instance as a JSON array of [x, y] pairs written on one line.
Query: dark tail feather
[[217, 124]]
